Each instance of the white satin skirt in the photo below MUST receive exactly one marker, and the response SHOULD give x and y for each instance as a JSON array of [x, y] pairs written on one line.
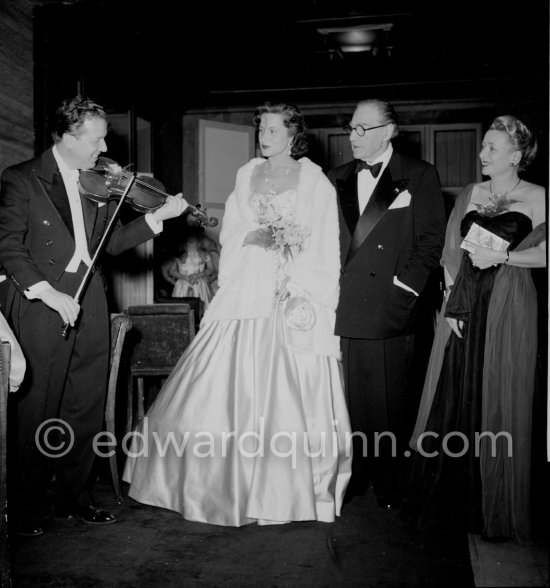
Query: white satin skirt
[[245, 430]]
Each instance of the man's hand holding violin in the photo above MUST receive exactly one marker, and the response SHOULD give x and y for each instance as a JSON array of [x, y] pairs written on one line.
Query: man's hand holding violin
[[172, 208]]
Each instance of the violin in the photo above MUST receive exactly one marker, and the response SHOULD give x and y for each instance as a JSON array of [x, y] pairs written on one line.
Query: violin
[[107, 180]]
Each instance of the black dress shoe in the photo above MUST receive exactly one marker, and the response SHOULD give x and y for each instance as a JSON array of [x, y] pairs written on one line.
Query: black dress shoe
[[88, 514], [28, 528]]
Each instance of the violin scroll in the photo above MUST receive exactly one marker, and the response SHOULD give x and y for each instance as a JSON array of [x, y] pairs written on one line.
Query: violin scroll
[[202, 218]]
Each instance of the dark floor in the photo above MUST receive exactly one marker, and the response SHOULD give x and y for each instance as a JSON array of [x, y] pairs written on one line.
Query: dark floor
[[148, 546], [509, 564]]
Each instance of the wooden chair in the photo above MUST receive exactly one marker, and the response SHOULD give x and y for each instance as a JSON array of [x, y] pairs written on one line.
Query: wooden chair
[[196, 305], [160, 334], [120, 325], [5, 567]]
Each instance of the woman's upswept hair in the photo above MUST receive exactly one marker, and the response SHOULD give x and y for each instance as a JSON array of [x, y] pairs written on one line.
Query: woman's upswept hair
[[520, 136], [293, 120], [73, 113]]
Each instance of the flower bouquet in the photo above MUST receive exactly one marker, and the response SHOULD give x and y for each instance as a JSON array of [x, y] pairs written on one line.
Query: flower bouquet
[[289, 237], [299, 310]]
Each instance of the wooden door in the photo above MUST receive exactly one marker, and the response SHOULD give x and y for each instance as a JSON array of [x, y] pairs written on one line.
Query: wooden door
[[130, 275]]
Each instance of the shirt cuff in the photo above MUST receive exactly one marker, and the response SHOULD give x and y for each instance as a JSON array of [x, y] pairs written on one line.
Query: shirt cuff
[[404, 286], [35, 290], [155, 226]]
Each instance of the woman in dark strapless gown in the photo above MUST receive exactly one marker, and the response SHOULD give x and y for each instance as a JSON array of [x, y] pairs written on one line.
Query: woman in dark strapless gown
[[473, 433]]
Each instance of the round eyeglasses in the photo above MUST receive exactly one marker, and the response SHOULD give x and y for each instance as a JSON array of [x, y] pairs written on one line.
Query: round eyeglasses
[[360, 129]]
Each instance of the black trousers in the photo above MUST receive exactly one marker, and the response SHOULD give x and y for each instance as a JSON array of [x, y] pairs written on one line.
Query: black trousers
[[376, 386], [4, 285], [60, 407]]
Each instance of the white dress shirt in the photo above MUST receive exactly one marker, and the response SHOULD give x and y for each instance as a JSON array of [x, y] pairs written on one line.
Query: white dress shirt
[[366, 182], [70, 179], [81, 252]]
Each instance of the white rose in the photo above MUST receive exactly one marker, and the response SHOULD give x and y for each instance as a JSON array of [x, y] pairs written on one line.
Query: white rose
[[300, 313]]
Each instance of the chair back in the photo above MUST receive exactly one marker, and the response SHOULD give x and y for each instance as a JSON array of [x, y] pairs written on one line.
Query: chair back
[[120, 325], [196, 304], [5, 360], [160, 334]]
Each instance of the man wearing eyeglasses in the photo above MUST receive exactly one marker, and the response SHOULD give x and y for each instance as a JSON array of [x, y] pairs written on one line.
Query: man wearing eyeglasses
[[392, 227]]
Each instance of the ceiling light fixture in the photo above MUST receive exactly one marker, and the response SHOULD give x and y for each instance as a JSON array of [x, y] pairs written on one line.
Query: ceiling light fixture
[[356, 38]]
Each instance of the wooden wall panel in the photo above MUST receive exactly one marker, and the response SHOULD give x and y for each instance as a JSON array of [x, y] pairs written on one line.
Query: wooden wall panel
[[16, 89]]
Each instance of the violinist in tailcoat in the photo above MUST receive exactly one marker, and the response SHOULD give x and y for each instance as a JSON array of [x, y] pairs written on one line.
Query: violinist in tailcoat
[[48, 236]]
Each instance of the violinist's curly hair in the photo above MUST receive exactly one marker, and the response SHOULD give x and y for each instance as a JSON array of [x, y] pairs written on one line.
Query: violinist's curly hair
[[293, 120], [73, 113], [520, 136]]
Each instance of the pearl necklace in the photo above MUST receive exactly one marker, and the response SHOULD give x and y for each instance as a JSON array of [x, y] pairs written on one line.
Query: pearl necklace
[[274, 185]]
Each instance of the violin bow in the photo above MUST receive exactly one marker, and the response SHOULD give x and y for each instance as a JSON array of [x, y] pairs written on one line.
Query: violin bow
[[98, 251]]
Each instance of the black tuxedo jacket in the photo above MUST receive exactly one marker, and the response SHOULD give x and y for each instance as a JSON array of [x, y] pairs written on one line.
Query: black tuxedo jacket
[[400, 233], [36, 232], [65, 377]]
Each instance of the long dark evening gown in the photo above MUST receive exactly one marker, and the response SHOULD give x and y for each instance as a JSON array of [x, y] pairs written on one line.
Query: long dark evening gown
[[455, 478]]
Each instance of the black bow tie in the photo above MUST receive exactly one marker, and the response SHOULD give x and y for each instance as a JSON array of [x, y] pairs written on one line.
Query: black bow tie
[[374, 169]]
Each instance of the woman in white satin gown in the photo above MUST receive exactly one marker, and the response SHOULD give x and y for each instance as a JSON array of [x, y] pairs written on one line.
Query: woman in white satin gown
[[252, 425]]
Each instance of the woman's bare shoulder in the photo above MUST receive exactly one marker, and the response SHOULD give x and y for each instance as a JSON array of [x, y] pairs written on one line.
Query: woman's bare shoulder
[[533, 198], [532, 192], [479, 194]]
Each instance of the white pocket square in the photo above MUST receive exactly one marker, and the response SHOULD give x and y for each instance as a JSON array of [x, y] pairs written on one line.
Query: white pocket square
[[404, 199]]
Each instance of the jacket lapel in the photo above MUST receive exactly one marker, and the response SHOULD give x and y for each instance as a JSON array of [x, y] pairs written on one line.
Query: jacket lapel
[[345, 182], [349, 202], [376, 207], [382, 197], [52, 187]]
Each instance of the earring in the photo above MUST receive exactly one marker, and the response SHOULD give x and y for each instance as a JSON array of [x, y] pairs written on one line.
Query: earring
[[289, 150], [512, 164]]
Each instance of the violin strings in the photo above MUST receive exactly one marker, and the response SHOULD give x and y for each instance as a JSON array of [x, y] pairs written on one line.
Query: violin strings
[[138, 181], [195, 210]]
